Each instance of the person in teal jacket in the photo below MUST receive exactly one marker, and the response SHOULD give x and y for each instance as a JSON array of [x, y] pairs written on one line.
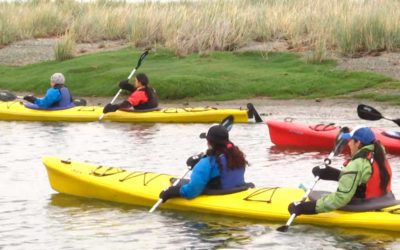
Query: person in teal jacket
[[57, 97], [366, 176], [222, 167]]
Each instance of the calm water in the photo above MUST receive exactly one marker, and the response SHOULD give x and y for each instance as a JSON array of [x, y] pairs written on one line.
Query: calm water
[[34, 216]]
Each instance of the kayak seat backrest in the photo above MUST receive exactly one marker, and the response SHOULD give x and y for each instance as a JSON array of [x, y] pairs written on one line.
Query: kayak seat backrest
[[140, 110], [392, 134], [360, 205], [210, 191]]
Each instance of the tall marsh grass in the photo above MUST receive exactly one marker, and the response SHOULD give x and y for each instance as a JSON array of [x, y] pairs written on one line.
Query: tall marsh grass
[[65, 47], [348, 26]]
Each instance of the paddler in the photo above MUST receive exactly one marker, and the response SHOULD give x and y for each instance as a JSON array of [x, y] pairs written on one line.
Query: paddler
[[142, 97], [57, 97], [222, 167], [364, 178]]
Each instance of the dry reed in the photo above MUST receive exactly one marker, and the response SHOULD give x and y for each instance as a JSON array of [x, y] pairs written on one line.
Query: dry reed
[[347, 26]]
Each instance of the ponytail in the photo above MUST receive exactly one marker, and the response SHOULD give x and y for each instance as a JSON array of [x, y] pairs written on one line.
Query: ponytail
[[235, 157], [380, 158]]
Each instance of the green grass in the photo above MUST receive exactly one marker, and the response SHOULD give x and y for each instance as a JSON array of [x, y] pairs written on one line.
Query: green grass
[[218, 76]]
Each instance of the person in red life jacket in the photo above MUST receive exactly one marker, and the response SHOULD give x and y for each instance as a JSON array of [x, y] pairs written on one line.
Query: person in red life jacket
[[142, 96], [364, 178], [222, 168]]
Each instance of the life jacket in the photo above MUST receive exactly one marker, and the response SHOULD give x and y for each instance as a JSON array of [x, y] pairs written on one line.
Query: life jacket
[[66, 100], [151, 103], [372, 189], [228, 178]]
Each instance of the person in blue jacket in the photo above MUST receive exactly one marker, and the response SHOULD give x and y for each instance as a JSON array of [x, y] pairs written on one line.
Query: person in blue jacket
[[222, 167], [57, 97]]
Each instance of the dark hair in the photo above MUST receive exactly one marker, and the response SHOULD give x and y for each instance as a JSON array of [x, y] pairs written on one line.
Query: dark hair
[[235, 157], [142, 78], [380, 158]]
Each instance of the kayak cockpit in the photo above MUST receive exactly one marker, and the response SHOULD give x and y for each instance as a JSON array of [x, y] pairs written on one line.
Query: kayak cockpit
[[392, 134], [140, 110], [213, 191], [361, 205]]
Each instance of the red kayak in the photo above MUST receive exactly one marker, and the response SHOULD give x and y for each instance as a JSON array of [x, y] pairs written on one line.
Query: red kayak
[[322, 136]]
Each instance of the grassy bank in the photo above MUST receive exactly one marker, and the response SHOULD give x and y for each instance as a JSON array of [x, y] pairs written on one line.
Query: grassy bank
[[202, 26], [218, 76]]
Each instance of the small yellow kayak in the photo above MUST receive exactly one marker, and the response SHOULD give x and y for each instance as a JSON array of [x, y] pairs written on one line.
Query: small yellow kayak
[[142, 188], [16, 111]]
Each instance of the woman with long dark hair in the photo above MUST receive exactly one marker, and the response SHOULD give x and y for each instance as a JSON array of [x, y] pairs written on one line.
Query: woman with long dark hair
[[366, 177], [222, 167], [142, 96]]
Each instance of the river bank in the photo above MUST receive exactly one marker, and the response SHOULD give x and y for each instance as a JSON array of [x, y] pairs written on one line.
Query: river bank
[[216, 76]]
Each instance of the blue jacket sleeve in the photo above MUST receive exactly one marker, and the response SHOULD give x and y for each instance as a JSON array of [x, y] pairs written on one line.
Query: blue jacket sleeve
[[52, 96], [199, 179]]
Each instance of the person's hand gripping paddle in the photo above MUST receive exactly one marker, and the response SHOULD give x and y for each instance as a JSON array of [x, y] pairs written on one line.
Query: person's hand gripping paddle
[[339, 145]]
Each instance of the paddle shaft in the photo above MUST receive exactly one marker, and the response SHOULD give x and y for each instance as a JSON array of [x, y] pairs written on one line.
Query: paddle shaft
[[161, 200]]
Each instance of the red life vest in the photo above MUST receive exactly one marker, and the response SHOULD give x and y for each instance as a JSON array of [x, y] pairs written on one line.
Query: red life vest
[[142, 99], [372, 188]]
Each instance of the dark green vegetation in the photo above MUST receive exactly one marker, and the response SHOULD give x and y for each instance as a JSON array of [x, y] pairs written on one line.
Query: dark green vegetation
[[218, 76]]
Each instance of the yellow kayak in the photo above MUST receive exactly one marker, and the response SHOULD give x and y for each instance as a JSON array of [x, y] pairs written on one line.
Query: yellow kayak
[[142, 188], [16, 111]]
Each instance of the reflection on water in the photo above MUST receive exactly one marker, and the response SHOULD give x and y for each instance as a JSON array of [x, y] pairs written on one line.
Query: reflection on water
[[75, 213], [32, 215]]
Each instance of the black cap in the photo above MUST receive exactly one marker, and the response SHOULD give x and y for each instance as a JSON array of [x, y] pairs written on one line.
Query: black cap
[[216, 134]]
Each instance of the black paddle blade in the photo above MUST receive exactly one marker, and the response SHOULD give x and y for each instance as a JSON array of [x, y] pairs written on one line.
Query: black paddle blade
[[142, 57], [397, 121], [283, 229], [340, 143], [252, 112], [227, 122], [80, 102], [6, 96], [368, 113]]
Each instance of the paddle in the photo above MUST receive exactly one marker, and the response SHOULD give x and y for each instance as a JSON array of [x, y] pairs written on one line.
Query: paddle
[[227, 123], [369, 113], [339, 145], [253, 112], [6, 96], [141, 58]]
